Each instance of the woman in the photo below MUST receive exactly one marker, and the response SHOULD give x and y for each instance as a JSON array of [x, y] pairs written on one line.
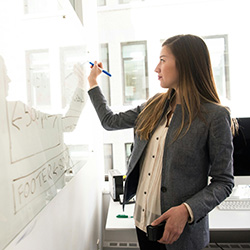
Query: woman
[[182, 137]]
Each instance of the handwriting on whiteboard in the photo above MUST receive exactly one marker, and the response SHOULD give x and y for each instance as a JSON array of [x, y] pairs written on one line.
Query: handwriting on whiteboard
[[28, 187], [24, 119], [31, 131]]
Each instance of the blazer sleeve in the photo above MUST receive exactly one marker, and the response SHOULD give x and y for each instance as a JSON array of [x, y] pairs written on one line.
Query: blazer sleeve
[[220, 148], [108, 119]]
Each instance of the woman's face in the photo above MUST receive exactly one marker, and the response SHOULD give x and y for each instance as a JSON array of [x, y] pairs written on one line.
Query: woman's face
[[166, 69]]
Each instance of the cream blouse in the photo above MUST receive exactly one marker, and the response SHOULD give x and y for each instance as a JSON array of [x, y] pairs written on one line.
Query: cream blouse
[[147, 206]]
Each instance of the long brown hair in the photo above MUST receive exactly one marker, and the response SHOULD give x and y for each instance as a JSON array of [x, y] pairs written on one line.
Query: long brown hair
[[196, 84]]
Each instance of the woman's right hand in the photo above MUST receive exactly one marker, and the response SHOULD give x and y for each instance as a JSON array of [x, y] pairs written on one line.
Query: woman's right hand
[[94, 73]]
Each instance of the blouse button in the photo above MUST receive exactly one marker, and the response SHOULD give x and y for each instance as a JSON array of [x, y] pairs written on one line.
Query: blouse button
[[164, 189]]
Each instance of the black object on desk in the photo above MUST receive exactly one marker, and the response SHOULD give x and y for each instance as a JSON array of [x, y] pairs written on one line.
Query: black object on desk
[[115, 184]]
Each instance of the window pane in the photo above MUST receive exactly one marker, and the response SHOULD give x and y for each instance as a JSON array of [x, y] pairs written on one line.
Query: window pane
[[124, 1], [217, 46], [134, 57], [108, 158], [128, 151], [38, 6], [129, 1], [78, 158], [38, 78], [105, 81], [69, 57], [101, 2]]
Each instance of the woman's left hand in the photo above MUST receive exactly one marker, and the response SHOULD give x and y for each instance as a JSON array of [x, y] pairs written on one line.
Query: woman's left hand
[[176, 219]]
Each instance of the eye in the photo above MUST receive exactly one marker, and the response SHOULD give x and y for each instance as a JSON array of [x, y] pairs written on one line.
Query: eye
[[162, 60]]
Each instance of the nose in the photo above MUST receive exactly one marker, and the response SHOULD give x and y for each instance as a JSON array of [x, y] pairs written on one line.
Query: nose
[[157, 69]]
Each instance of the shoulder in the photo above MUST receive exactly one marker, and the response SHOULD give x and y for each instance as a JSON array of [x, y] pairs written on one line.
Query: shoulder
[[218, 118], [154, 97], [213, 110]]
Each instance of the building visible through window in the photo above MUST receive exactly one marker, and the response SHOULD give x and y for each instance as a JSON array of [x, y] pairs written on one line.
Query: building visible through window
[[101, 2], [108, 159], [134, 62], [104, 80], [128, 150], [218, 49], [38, 78]]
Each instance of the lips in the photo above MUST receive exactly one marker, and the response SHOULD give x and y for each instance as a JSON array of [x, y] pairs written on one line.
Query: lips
[[159, 77]]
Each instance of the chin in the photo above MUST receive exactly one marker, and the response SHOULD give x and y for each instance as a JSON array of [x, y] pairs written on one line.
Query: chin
[[164, 86]]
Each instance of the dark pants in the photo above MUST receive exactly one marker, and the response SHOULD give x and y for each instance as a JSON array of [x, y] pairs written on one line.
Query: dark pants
[[146, 244]]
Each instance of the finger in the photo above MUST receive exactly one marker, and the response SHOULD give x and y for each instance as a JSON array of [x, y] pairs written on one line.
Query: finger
[[165, 237], [166, 241], [160, 219], [156, 222], [172, 238], [100, 65], [169, 237], [94, 65]]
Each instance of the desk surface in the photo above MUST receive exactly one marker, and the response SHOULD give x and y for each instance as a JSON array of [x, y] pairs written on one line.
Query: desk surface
[[218, 220], [229, 220], [114, 223]]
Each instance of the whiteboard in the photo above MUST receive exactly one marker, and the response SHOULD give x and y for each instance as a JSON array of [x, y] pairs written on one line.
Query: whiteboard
[[35, 164]]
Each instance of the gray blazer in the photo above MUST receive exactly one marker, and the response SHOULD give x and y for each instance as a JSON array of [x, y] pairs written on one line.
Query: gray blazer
[[205, 150]]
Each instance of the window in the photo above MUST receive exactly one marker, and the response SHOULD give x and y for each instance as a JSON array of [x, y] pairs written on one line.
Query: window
[[38, 78], [218, 49], [77, 157], [124, 1], [135, 73], [38, 6], [129, 1], [105, 81], [108, 159], [69, 57], [128, 150], [101, 2]]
